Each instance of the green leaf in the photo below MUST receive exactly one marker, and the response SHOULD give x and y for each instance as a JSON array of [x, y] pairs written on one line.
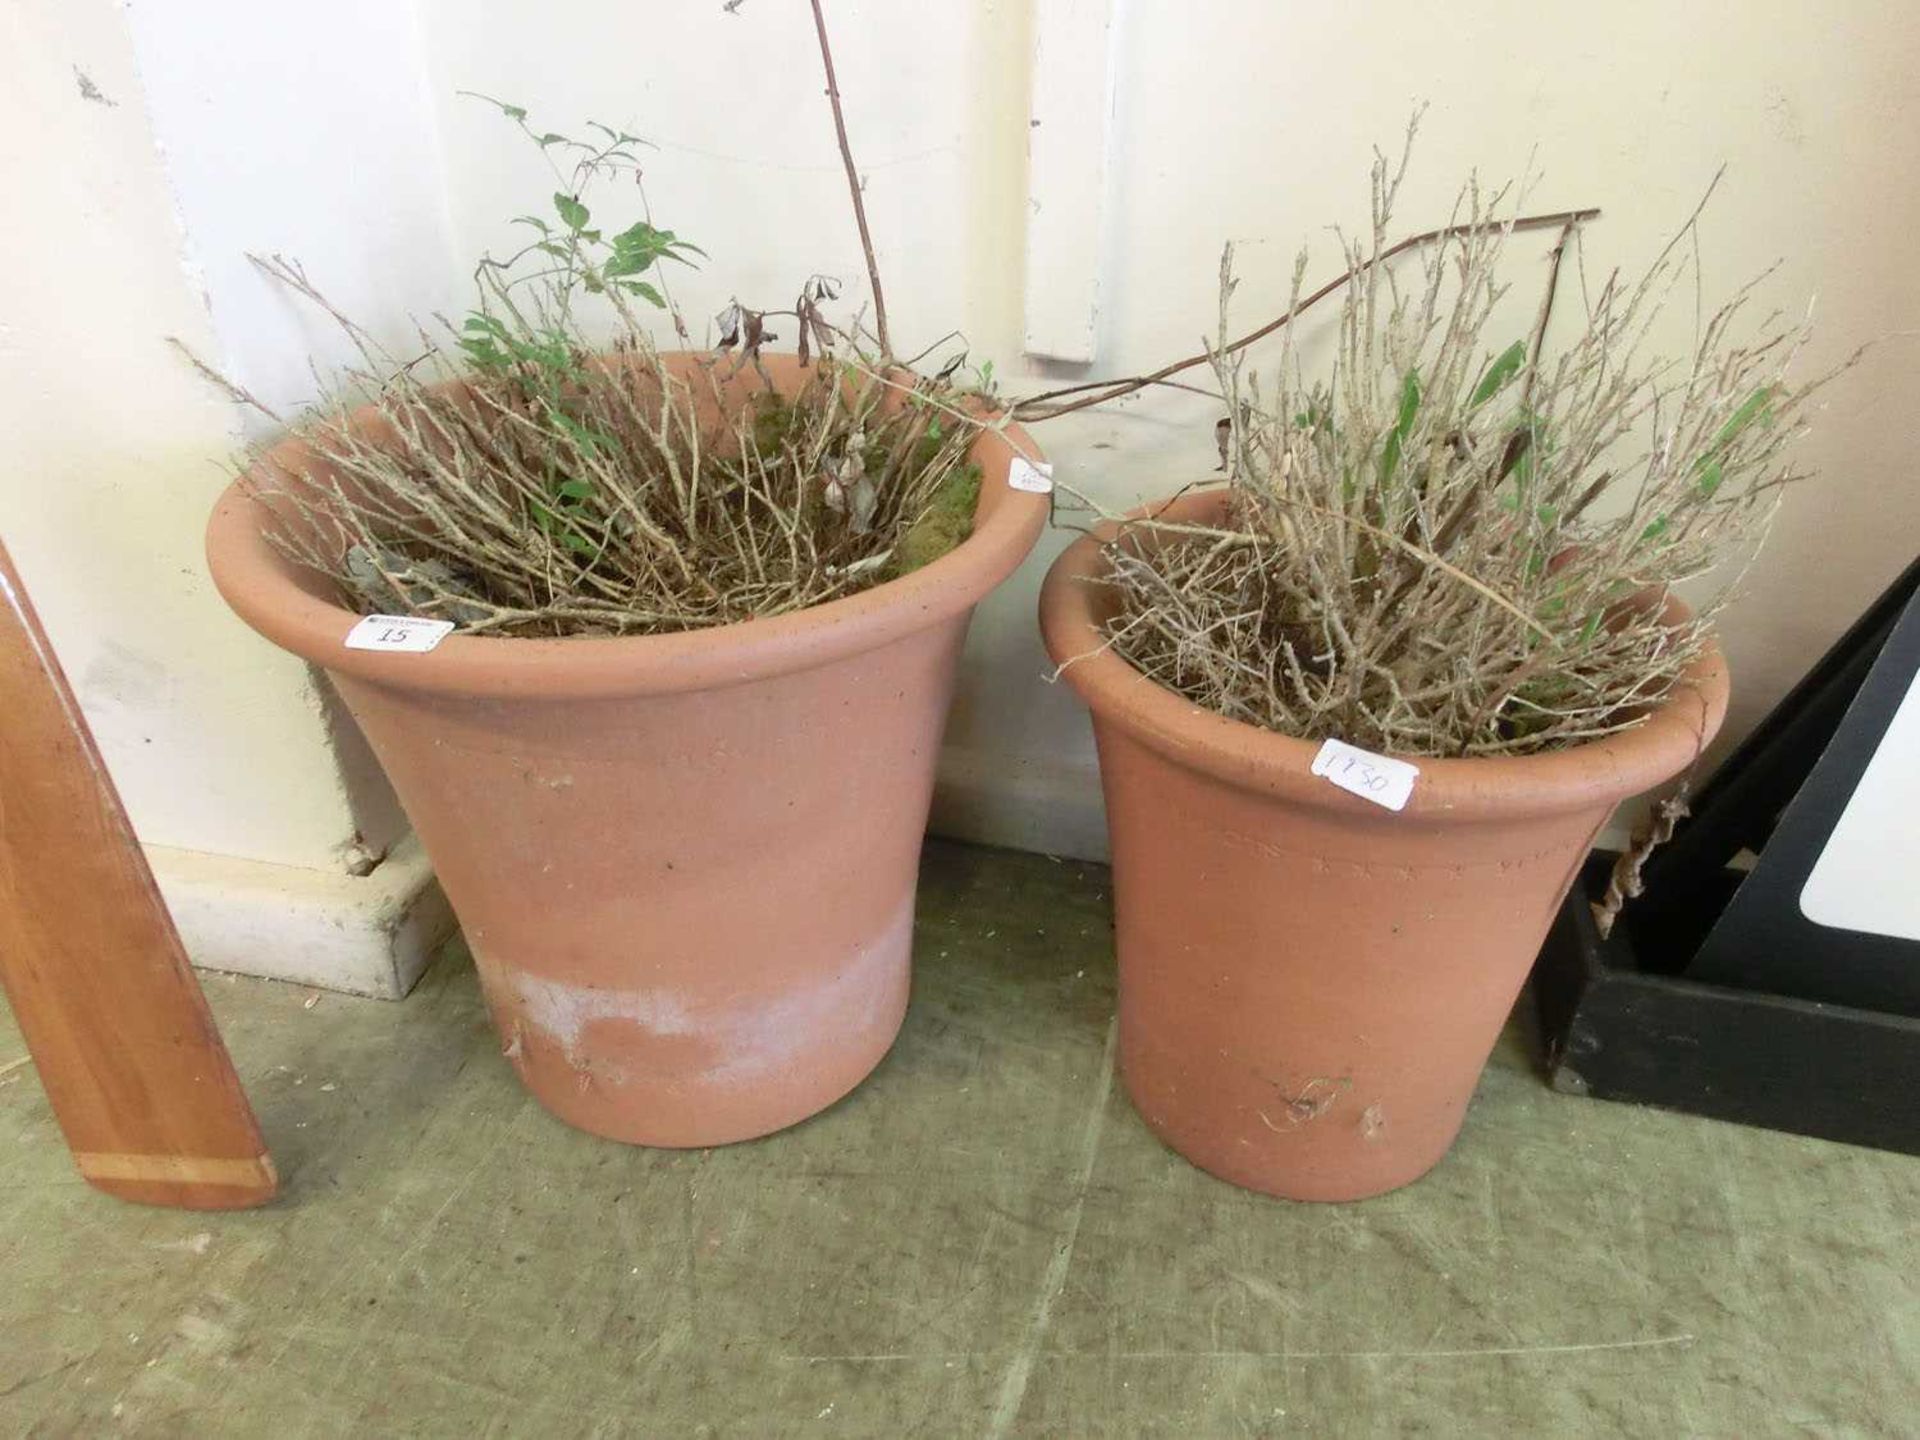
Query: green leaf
[[535, 221], [572, 213], [577, 543], [512, 112], [484, 353], [619, 137], [1317, 416], [641, 235], [1661, 524], [575, 489], [585, 436], [1525, 442], [645, 292], [1397, 439], [479, 341], [1757, 406], [640, 245], [1498, 374], [1754, 406], [550, 353], [549, 139]]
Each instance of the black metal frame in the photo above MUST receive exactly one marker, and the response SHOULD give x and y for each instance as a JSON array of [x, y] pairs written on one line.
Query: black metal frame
[[1714, 994]]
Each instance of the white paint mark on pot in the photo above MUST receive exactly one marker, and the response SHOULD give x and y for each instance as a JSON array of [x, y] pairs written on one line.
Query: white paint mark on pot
[[745, 1038], [562, 1012]]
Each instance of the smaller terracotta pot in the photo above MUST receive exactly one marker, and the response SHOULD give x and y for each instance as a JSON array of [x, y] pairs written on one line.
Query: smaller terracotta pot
[[1310, 985]]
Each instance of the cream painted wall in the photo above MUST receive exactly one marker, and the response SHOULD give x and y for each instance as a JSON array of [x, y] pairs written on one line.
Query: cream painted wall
[[113, 454], [344, 143]]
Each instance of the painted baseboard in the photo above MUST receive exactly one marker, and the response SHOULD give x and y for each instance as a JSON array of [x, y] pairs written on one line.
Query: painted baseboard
[[1047, 808], [367, 935]]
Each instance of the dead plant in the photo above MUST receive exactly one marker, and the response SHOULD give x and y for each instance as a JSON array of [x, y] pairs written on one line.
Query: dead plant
[[1441, 545]]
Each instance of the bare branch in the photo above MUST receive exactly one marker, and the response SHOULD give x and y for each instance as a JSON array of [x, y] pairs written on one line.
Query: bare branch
[[1038, 407], [854, 187], [232, 388]]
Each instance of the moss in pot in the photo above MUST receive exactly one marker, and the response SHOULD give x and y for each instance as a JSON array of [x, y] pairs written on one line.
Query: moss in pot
[[1363, 708]]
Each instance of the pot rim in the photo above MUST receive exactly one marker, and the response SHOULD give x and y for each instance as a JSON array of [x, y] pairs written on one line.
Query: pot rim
[[263, 588], [1598, 772]]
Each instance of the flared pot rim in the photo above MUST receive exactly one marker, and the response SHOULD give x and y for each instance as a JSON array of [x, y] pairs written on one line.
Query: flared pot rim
[[1603, 771]]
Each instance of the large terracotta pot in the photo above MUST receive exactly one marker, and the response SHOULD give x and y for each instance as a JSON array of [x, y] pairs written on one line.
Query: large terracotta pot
[[685, 864], [1310, 984]]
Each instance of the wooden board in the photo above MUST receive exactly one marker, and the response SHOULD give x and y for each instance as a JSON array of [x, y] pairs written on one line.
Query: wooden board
[[114, 1019]]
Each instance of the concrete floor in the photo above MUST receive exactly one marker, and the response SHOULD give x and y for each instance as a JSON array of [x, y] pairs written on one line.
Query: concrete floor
[[982, 1241]]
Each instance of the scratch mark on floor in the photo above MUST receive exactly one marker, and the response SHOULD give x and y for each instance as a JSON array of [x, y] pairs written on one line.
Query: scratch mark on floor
[[26, 1382], [347, 1275], [1485, 1352], [1013, 1388]]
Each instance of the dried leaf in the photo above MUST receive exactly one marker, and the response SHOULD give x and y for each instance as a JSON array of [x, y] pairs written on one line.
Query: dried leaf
[[754, 333], [729, 322], [865, 499]]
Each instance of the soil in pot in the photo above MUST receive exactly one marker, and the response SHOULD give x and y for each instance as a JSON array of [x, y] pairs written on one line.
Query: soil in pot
[[1311, 984], [685, 863]]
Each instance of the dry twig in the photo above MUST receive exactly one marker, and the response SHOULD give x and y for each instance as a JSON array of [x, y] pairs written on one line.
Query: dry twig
[[854, 188], [1625, 882], [1439, 546], [1047, 406]]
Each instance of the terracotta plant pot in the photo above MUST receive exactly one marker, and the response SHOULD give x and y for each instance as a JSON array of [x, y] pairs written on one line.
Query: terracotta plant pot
[[1311, 984], [685, 864]]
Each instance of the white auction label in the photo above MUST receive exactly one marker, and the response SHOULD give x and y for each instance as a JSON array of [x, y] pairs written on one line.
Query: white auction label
[[1025, 475], [1379, 778], [407, 633]]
